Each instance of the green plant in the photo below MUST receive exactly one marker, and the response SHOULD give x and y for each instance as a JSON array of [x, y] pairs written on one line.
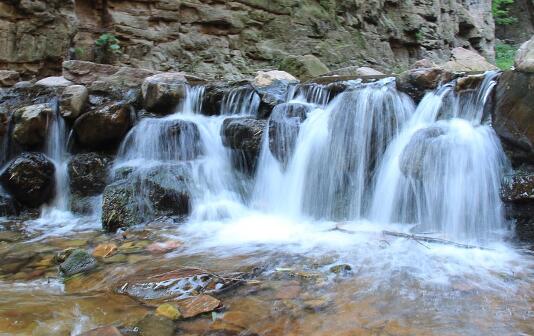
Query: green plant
[[501, 13], [107, 47], [78, 52], [504, 56]]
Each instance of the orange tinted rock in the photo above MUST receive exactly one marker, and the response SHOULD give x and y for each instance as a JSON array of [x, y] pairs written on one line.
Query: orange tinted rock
[[197, 305], [105, 250]]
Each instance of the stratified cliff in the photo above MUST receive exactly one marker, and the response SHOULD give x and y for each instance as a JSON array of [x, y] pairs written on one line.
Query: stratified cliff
[[237, 37]]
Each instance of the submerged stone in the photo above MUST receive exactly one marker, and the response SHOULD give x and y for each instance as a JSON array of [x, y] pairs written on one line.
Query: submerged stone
[[169, 311], [153, 325], [79, 261], [197, 305]]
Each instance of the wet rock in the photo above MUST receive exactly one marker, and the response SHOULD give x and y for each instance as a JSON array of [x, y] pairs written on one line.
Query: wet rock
[[417, 82], [176, 285], [304, 67], [273, 88], [103, 127], [469, 83], [153, 325], [164, 247], [31, 125], [244, 136], [289, 292], [79, 261], [524, 60], [198, 305], [518, 196], [217, 95], [8, 205], [88, 173], [284, 126], [162, 92], [73, 101], [146, 195], [169, 311], [412, 160], [119, 208], [103, 331], [512, 116], [341, 269], [54, 82], [467, 60], [84, 205], [8, 78], [105, 250], [30, 179]]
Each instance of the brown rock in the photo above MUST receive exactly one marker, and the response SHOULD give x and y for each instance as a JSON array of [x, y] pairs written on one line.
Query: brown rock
[[287, 292], [85, 73], [417, 82], [164, 247], [197, 305], [105, 250], [162, 92]]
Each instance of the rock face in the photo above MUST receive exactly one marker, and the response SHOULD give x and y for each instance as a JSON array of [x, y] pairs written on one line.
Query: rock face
[[525, 57], [467, 60], [513, 116], [234, 38], [523, 28], [30, 179], [144, 195], [244, 136], [31, 125]]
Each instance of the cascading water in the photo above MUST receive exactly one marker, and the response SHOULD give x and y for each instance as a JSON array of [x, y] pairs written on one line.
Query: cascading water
[[336, 151], [240, 101], [444, 170]]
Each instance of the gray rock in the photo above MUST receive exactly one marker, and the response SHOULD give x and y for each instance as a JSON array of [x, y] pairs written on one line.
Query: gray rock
[[304, 67], [8, 77], [54, 82], [73, 101], [524, 60], [162, 92], [79, 261], [31, 125], [413, 157]]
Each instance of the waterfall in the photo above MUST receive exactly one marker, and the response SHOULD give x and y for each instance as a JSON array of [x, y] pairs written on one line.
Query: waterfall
[[338, 146], [443, 172], [56, 150], [242, 101]]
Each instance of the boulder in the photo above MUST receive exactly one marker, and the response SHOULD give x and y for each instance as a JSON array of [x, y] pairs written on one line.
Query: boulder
[[469, 83], [162, 92], [284, 126], [73, 102], [304, 67], [417, 82], [244, 136], [54, 82], [8, 205], [30, 179], [412, 159], [524, 60], [88, 173], [8, 78], [467, 60], [273, 88], [104, 127], [79, 261], [513, 115], [145, 194], [30, 125]]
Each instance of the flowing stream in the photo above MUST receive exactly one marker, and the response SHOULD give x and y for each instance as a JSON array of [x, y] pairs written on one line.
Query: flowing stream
[[331, 176]]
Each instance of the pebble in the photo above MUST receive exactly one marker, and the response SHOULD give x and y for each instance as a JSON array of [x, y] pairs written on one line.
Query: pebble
[[169, 311]]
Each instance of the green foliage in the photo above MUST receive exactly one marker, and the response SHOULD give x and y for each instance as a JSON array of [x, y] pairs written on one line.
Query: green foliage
[[79, 52], [107, 47], [504, 56], [501, 12]]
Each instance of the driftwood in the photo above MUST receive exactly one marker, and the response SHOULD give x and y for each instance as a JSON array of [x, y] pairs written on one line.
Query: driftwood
[[420, 239], [417, 238]]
